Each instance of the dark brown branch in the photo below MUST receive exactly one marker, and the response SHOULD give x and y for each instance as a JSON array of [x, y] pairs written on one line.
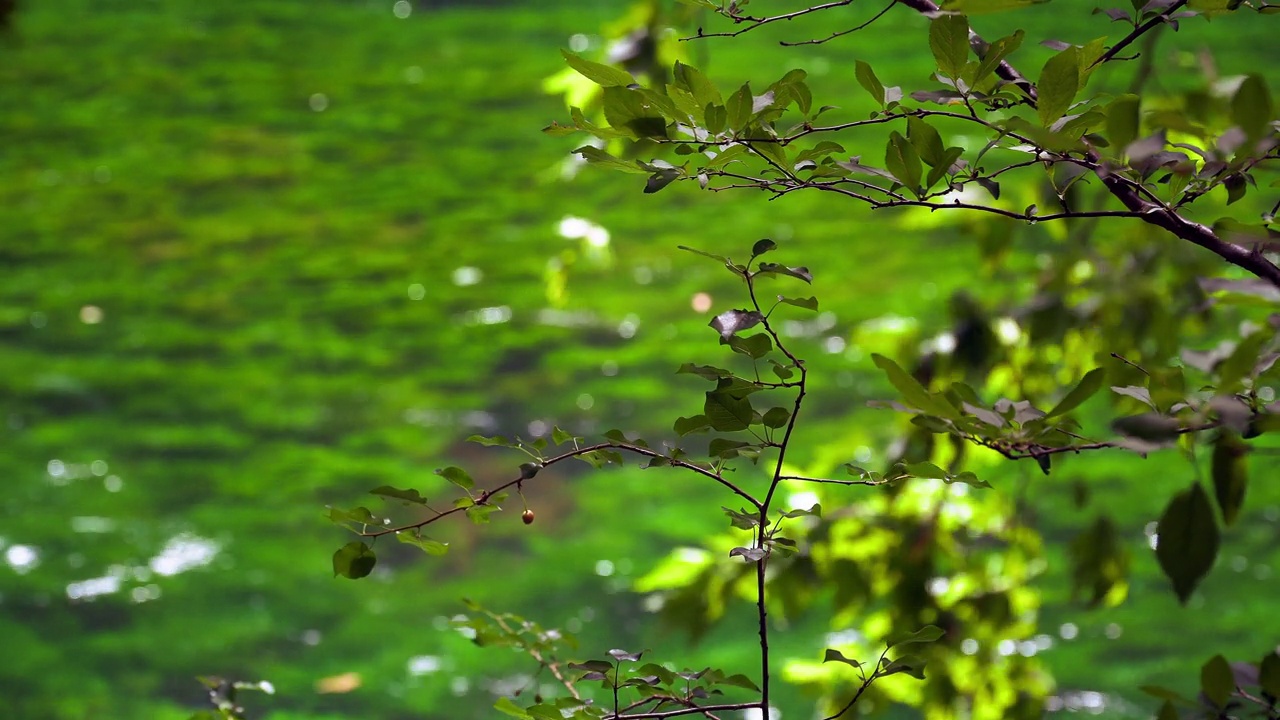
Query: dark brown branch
[[692, 710], [1139, 31], [842, 33], [576, 452], [757, 22], [1155, 213]]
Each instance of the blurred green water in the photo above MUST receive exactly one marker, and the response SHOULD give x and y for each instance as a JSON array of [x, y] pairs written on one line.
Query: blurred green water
[[263, 258]]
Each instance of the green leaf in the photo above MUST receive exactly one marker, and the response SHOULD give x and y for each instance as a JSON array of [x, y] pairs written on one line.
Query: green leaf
[[925, 471], [912, 391], [354, 519], [1091, 383], [738, 108], [763, 246], [949, 41], [661, 179], [741, 519], [726, 412], [833, 655], [1269, 673], [490, 441], [596, 156], [1123, 122], [926, 634], [691, 79], [997, 51], [776, 417], [685, 425], [912, 665], [429, 546], [1230, 474], [1168, 712], [801, 273], [742, 681], [1251, 107], [704, 253], [809, 303], [602, 75], [903, 162], [725, 448], [560, 437], [926, 140], [354, 560], [704, 371], [457, 476], [1187, 540], [628, 109], [1216, 681], [868, 80], [507, 707], [753, 346], [409, 496], [1058, 85]]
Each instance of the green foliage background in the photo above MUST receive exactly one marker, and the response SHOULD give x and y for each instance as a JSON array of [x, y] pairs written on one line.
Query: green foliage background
[[269, 204]]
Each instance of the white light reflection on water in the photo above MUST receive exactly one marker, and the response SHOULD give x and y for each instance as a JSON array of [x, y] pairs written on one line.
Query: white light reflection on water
[[22, 558], [184, 552]]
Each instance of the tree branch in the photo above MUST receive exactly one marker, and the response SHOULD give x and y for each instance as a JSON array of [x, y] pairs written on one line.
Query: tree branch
[[1138, 32], [483, 499]]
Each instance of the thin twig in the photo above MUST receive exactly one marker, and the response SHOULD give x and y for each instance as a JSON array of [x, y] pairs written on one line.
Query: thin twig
[[1138, 32], [758, 22], [576, 452], [841, 33]]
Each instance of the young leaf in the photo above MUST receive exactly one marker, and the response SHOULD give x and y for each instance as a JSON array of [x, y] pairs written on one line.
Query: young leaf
[[457, 476], [926, 634], [763, 246], [429, 546], [750, 554], [809, 303], [868, 80], [738, 108], [602, 75], [949, 41], [912, 665], [686, 425], [998, 50], [409, 496], [1187, 540], [912, 391], [1059, 83], [775, 269], [926, 140], [741, 519], [833, 655], [903, 162], [1085, 389]]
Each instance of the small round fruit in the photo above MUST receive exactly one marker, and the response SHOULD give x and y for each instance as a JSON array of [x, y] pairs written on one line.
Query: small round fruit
[[527, 517]]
